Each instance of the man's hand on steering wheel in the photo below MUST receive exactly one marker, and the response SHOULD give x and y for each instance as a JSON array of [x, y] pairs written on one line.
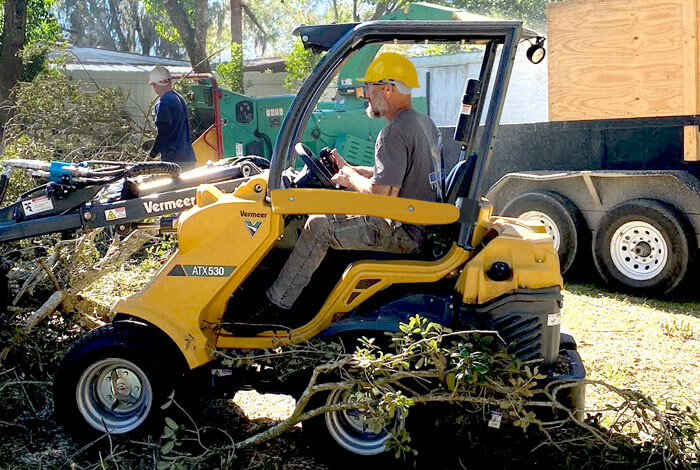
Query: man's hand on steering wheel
[[315, 166], [344, 175]]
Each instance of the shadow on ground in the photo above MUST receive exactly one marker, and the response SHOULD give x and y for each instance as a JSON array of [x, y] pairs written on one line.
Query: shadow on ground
[[443, 438]]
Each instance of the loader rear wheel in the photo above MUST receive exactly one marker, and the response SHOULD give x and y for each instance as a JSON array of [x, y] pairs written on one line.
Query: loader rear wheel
[[560, 217], [642, 246], [347, 431], [114, 379]]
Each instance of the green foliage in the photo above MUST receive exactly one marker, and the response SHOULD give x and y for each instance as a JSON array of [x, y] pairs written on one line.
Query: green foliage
[[58, 119], [159, 252], [530, 11], [231, 73], [42, 31], [299, 64], [162, 23], [42, 25]]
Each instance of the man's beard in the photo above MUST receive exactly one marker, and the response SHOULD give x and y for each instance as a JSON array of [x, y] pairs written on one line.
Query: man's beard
[[377, 109]]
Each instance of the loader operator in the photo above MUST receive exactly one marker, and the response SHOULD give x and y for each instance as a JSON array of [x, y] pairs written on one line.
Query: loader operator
[[407, 159], [174, 135]]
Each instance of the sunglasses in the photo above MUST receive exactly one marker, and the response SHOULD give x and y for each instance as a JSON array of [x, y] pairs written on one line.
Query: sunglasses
[[367, 86]]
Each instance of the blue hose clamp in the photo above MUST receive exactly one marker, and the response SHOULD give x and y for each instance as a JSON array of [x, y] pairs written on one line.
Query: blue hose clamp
[[58, 175]]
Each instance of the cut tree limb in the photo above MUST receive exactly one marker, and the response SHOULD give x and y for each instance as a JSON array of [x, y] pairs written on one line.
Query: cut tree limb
[[117, 254]]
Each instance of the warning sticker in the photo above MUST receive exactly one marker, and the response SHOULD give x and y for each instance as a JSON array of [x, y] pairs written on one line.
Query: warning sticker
[[495, 421], [115, 214], [554, 319], [37, 205]]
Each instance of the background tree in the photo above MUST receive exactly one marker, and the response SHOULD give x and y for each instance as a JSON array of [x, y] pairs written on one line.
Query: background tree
[[13, 37], [189, 23], [120, 25], [22, 22], [299, 64], [231, 73]]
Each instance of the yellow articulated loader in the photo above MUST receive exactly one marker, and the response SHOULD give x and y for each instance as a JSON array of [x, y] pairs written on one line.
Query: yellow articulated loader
[[474, 271]]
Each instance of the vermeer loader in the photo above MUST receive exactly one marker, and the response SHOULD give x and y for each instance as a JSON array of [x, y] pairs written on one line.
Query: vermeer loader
[[475, 270]]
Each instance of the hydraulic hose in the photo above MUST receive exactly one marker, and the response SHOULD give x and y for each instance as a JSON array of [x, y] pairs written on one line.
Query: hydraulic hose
[[153, 168], [265, 139]]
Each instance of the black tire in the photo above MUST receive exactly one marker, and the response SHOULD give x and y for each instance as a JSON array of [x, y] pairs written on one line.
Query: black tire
[[337, 433], [133, 355], [564, 219], [643, 246]]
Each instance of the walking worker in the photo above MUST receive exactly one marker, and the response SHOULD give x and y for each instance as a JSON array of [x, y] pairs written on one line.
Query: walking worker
[[173, 141]]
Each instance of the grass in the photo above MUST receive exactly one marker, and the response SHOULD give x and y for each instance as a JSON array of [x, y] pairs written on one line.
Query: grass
[[651, 345]]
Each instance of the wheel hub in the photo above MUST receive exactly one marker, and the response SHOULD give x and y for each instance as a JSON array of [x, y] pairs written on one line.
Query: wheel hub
[[120, 388], [639, 250], [114, 393], [643, 249]]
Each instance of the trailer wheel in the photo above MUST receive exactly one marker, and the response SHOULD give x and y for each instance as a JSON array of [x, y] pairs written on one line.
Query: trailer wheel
[[560, 217], [642, 245], [114, 379]]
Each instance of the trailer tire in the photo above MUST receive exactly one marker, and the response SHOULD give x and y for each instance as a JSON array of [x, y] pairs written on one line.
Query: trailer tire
[[642, 246], [86, 398], [561, 218]]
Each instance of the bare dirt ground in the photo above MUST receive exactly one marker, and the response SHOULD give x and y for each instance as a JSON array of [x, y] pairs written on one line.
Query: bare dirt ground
[[651, 345]]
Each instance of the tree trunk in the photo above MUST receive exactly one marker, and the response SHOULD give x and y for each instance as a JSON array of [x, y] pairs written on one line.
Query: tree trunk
[[201, 26], [116, 26], [335, 11], [144, 29], [195, 37], [236, 21], [13, 37]]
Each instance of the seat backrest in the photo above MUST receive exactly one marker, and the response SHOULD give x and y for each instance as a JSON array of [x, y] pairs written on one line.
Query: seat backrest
[[462, 171]]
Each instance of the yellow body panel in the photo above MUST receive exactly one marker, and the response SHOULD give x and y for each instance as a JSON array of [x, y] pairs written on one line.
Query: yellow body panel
[[349, 293], [325, 201], [526, 249], [211, 240], [204, 148], [225, 237]]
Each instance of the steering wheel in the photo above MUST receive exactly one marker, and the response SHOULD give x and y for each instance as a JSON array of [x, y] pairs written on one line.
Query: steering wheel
[[315, 166]]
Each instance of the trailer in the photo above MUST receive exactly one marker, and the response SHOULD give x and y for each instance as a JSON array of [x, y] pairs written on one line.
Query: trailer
[[615, 175]]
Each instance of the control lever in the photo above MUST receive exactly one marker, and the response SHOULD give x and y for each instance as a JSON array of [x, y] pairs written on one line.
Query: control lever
[[327, 160]]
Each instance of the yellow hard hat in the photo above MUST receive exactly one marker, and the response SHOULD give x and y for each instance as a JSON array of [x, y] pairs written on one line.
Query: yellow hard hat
[[391, 66]]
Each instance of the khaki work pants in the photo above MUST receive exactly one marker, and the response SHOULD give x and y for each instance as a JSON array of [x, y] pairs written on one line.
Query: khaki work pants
[[341, 233]]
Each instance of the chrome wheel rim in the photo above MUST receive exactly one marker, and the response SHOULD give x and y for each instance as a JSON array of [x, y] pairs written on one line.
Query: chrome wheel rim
[[537, 217], [114, 395], [639, 250], [349, 428]]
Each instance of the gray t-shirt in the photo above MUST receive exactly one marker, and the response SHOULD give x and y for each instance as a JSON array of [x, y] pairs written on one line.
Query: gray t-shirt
[[407, 155]]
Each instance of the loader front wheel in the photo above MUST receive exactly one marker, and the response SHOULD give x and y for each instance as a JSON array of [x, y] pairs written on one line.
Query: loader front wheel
[[113, 380]]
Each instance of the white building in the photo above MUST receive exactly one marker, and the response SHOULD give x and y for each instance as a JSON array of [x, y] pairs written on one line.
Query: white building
[[444, 77], [111, 69]]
